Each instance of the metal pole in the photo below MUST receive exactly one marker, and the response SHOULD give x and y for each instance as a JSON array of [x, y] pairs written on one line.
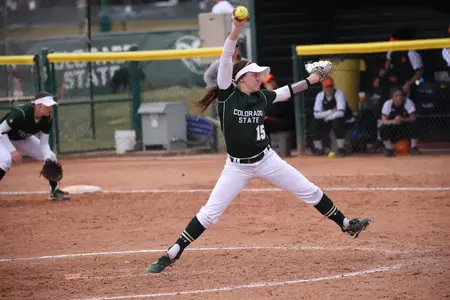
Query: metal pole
[[5, 20], [55, 112], [91, 85], [134, 75], [37, 73], [48, 88], [253, 30], [299, 101]]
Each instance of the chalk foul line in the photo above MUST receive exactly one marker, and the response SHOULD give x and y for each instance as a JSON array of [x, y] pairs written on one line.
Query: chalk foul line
[[255, 190], [126, 252], [256, 284]]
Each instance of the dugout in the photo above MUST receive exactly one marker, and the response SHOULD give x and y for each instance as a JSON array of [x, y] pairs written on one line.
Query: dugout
[[280, 24]]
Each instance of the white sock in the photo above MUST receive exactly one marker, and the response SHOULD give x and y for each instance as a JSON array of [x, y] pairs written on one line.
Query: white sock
[[318, 145], [413, 143], [340, 143], [173, 251], [388, 144], [346, 223]]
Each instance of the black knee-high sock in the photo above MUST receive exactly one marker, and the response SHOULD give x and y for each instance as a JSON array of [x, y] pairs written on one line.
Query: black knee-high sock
[[193, 230], [54, 185], [2, 173], [327, 208]]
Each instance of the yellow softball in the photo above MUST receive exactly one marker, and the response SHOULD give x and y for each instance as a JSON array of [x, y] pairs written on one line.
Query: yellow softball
[[241, 12]]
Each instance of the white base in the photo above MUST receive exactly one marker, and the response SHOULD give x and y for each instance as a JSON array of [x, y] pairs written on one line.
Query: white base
[[81, 189]]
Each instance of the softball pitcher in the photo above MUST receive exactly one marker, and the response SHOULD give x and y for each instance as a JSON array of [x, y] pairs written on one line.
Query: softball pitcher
[[242, 108], [17, 130]]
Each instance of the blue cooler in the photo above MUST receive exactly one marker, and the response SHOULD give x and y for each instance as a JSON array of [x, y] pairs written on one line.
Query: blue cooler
[[199, 131]]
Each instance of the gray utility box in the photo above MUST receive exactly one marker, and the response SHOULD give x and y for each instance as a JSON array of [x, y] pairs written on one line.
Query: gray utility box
[[164, 125]]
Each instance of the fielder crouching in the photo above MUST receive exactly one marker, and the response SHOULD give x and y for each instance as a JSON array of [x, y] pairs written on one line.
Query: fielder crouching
[[17, 130], [398, 122]]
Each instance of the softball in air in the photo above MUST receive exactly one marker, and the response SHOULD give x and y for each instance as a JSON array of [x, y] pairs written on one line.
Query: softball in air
[[241, 13], [331, 154]]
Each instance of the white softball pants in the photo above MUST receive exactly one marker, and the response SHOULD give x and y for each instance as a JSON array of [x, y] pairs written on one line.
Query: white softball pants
[[235, 176], [29, 146]]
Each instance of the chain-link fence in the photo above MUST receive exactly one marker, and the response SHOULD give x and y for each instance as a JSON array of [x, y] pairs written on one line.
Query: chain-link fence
[[367, 106], [96, 98], [84, 125], [91, 126]]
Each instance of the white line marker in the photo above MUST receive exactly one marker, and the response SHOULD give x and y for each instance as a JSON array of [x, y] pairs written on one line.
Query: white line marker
[[255, 190], [80, 276], [419, 189], [302, 248], [24, 193], [255, 285]]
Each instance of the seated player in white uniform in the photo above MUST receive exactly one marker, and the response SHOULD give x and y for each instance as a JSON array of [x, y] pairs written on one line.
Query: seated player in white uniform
[[329, 110], [398, 121], [17, 135], [242, 106]]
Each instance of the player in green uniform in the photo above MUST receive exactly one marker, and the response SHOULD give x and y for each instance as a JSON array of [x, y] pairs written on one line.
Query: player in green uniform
[[242, 107], [17, 130]]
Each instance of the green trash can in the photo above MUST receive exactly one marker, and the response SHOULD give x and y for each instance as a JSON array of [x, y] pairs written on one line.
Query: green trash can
[[105, 21]]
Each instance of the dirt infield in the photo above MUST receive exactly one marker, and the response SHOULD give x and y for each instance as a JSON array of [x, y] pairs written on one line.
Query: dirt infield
[[267, 245]]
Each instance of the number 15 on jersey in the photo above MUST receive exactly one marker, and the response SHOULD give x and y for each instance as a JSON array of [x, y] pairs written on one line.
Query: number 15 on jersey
[[260, 133]]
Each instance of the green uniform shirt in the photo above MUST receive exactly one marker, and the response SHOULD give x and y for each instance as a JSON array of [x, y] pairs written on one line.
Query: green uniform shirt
[[242, 120], [22, 122]]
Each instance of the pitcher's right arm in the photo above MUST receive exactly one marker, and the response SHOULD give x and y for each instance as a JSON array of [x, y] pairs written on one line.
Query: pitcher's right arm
[[225, 74]]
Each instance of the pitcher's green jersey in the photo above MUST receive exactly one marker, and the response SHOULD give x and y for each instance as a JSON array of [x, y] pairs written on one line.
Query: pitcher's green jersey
[[22, 122], [242, 120]]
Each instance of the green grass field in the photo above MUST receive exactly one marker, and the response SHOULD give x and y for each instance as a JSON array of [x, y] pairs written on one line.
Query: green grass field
[[75, 131]]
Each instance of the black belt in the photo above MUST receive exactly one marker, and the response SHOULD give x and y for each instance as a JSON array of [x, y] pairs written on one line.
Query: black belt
[[249, 160]]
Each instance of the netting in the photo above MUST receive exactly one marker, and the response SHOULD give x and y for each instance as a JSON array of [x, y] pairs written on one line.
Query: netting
[[367, 92], [17, 81], [82, 124], [94, 107], [96, 98], [94, 126]]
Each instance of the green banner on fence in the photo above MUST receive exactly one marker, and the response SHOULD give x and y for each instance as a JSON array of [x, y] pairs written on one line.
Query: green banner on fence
[[73, 80]]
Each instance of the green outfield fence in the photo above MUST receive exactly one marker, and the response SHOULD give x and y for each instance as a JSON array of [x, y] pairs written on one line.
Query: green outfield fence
[[355, 67], [85, 125]]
